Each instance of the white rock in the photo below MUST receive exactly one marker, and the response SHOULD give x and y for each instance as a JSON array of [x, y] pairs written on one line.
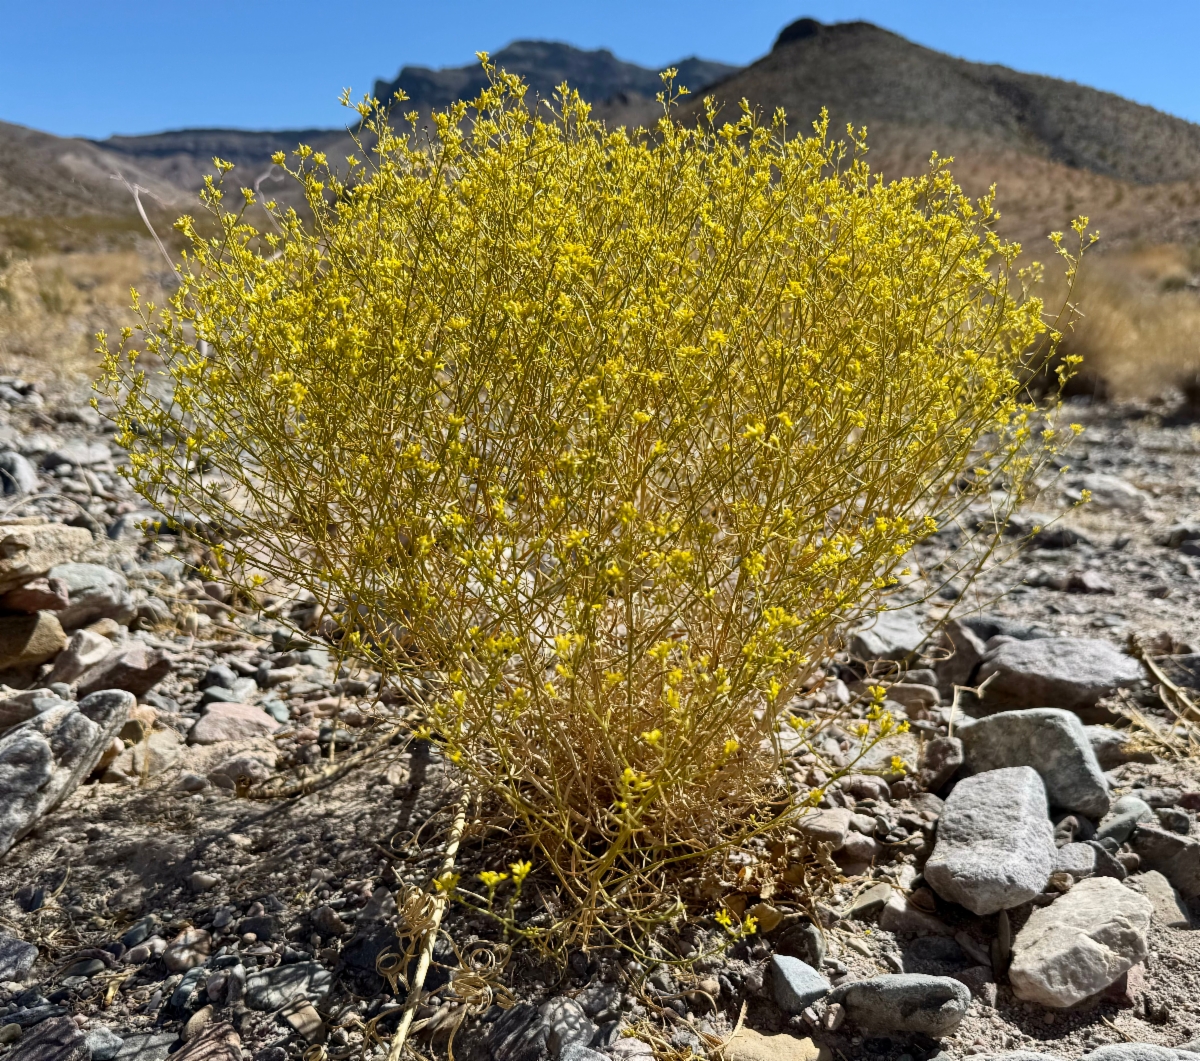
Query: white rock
[[995, 844], [1080, 944], [96, 592]]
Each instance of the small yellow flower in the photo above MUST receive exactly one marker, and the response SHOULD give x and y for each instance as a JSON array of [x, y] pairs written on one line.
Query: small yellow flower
[[491, 879]]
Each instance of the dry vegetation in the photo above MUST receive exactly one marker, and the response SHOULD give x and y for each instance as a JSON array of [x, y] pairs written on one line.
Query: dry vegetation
[[52, 305]]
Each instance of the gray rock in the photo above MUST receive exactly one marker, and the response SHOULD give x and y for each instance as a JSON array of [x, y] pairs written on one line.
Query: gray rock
[[907, 1002], [565, 1023], [43, 759], [600, 1001], [222, 722], [826, 826], [1123, 819], [518, 1035], [271, 989], [147, 1046], [1067, 672], [796, 984], [1169, 908], [1079, 860], [17, 476], [1112, 493], [95, 592], [895, 635], [803, 940], [1139, 1052], [578, 1052], [995, 844], [16, 958], [77, 454], [56, 1039], [1176, 857], [1080, 944], [103, 1043], [940, 760], [134, 667], [85, 649], [1050, 740]]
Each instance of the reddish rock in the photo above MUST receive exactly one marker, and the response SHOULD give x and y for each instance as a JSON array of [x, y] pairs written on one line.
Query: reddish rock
[[42, 594], [227, 721], [136, 668]]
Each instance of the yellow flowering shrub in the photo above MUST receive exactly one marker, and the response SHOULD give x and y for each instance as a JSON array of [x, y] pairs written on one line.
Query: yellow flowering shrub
[[604, 436]]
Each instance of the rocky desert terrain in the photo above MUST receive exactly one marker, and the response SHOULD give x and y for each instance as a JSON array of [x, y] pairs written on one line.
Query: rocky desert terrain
[[214, 839]]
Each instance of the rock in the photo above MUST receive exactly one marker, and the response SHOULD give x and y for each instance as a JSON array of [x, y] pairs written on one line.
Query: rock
[[600, 1001], [85, 649], [243, 770], [103, 1043], [77, 454], [327, 922], [1112, 493], [802, 940], [1079, 860], [1140, 1052], [27, 640], [42, 594], [43, 759], [196, 1023], [28, 551], [964, 648], [218, 674], [796, 984], [224, 721], [1080, 944], [576, 1052], [826, 826], [187, 950], [995, 844], [748, 1045], [86, 968], [1124, 817], [95, 592], [16, 958], [895, 635], [271, 989], [1065, 672], [215, 1042], [1169, 908], [151, 757], [565, 1022], [303, 1018], [1176, 857], [17, 476], [518, 1035], [902, 918], [940, 761], [10, 1033], [869, 902], [906, 1002], [1050, 740], [913, 697], [135, 667], [56, 1039], [140, 932], [147, 1046]]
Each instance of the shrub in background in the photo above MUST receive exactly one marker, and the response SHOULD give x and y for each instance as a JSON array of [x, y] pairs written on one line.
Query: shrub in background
[[605, 435]]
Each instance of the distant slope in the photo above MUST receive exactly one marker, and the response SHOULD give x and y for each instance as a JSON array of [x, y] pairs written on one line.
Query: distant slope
[[598, 75], [868, 76]]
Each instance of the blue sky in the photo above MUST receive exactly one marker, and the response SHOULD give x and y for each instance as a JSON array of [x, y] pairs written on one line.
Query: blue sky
[[95, 67]]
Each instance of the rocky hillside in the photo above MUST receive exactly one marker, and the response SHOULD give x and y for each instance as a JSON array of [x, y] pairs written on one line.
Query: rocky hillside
[[598, 75]]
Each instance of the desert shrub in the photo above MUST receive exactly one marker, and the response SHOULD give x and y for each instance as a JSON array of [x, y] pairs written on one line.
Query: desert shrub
[[603, 436]]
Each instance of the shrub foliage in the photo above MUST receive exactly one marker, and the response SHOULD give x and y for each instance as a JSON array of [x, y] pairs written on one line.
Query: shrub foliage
[[605, 436]]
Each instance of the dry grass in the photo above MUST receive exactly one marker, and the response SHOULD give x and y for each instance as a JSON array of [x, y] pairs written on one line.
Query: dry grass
[[52, 305], [1140, 331]]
